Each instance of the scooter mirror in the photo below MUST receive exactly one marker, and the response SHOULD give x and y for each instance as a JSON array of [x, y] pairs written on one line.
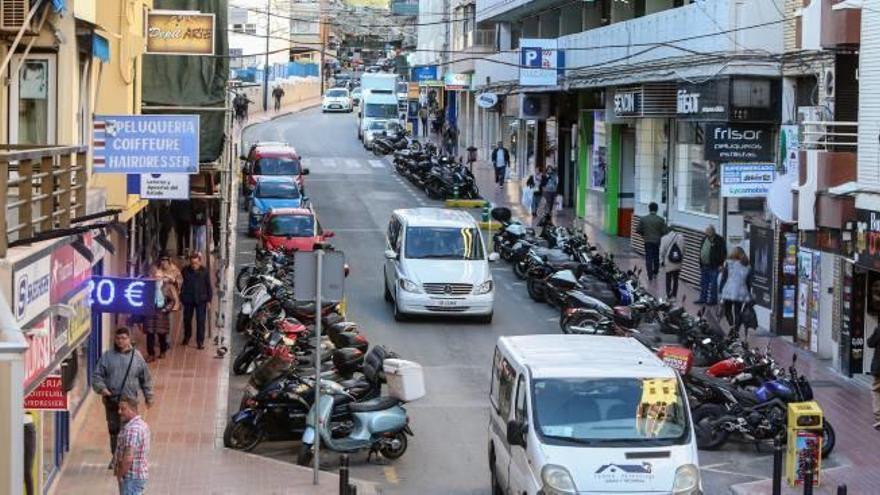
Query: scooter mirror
[[707, 341]]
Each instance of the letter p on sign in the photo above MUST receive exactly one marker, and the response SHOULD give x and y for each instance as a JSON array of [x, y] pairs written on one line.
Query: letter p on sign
[[532, 57]]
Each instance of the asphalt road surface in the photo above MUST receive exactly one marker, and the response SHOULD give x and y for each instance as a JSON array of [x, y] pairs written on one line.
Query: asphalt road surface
[[354, 194]]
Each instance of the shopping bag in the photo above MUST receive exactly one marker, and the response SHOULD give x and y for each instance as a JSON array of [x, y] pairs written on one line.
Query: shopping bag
[[527, 195]]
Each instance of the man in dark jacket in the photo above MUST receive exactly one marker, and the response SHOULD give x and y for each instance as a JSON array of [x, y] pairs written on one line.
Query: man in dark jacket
[[121, 372], [652, 227], [713, 251], [500, 162], [874, 343], [195, 294]]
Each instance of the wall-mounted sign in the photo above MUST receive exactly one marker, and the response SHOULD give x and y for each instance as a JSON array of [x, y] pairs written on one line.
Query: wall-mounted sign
[[738, 143], [164, 186], [540, 62], [628, 102], [761, 254], [48, 396], [746, 180], [733, 99], [70, 271], [31, 285], [487, 100], [146, 144], [424, 73], [172, 32], [867, 249], [122, 295], [81, 322], [40, 351], [455, 81]]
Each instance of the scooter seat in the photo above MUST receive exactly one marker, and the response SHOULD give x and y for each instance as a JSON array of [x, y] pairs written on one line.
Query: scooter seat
[[377, 404]]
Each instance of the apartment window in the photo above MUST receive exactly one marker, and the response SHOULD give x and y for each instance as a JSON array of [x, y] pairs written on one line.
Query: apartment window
[[238, 15], [304, 27]]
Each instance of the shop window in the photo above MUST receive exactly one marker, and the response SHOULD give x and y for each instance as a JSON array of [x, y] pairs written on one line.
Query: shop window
[[80, 388], [599, 152], [698, 178], [652, 160]]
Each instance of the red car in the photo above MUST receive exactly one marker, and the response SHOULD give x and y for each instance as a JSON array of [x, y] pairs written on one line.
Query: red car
[[272, 159], [292, 229]]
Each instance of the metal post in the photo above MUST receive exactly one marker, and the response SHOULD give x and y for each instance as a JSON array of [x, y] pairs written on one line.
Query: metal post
[[808, 478], [266, 65], [777, 466], [318, 426], [343, 475]]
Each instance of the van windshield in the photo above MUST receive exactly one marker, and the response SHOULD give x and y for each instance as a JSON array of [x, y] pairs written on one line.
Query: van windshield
[[277, 166], [609, 411], [380, 111], [446, 243]]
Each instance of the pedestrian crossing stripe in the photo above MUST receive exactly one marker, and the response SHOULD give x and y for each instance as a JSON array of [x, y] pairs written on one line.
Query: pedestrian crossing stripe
[[377, 164], [352, 163], [329, 162]]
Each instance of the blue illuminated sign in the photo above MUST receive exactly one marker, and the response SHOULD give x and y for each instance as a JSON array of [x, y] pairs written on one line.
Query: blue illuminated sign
[[146, 144], [122, 295]]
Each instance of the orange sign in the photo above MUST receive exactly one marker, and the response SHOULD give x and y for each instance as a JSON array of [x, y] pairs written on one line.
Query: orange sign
[[48, 396], [174, 32]]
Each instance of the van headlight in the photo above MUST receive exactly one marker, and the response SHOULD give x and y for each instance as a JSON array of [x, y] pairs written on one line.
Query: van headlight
[[557, 481], [410, 286], [687, 480], [484, 288]]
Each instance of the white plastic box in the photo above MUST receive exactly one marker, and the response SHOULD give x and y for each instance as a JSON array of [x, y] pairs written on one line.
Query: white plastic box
[[406, 381]]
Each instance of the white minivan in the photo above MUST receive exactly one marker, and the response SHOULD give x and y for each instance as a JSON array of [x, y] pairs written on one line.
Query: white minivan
[[574, 414], [436, 264]]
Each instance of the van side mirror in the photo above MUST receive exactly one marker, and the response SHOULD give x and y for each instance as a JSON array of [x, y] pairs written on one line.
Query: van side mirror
[[390, 254], [516, 433]]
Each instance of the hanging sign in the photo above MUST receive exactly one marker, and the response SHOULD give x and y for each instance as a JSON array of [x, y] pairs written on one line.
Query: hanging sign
[[164, 186], [174, 32], [457, 81], [48, 396], [738, 143], [146, 144], [487, 100], [746, 180], [122, 295], [31, 285], [540, 61], [40, 352], [628, 102]]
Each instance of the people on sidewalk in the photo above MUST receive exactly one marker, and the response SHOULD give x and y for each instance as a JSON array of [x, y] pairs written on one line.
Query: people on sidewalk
[[712, 254], [549, 186], [157, 325], [736, 285], [671, 257], [536, 182], [423, 118], [199, 222], [121, 372], [133, 450], [652, 227], [277, 94], [500, 161], [874, 343], [450, 139], [195, 295]]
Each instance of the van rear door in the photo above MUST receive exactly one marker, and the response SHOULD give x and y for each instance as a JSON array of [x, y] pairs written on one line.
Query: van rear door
[[501, 399]]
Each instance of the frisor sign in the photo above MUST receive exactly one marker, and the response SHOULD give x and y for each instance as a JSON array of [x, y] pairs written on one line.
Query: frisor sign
[[738, 143]]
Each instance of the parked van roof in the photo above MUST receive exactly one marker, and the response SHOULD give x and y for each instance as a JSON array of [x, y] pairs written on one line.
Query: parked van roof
[[436, 217], [576, 356]]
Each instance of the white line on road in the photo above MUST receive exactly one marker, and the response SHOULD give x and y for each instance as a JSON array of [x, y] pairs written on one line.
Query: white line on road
[[548, 319], [377, 164], [329, 162], [352, 163]]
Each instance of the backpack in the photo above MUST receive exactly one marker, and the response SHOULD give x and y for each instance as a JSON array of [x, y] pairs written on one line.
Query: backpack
[[675, 255]]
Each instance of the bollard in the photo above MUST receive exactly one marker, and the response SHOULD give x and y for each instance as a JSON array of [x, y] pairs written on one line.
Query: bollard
[[343, 475], [808, 479], [486, 212], [841, 489], [455, 191], [777, 466]]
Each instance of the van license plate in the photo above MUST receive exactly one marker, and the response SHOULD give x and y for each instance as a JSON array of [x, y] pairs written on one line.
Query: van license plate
[[447, 303]]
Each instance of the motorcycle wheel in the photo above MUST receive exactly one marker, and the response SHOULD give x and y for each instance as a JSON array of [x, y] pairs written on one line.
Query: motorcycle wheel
[[415, 146], [304, 457], [709, 437], [829, 438], [241, 436], [391, 453], [243, 360], [377, 151], [519, 269], [243, 277], [579, 324], [536, 292]]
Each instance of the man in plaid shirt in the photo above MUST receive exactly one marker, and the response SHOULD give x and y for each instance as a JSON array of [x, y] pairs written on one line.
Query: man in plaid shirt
[[132, 449]]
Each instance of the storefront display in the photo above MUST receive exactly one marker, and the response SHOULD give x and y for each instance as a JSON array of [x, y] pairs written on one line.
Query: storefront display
[[599, 162], [761, 255]]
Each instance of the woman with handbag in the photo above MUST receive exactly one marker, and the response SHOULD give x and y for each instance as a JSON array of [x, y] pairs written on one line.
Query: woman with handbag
[[158, 325], [736, 285]]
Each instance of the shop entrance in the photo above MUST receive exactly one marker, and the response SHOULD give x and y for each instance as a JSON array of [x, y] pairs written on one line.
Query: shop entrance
[[627, 185]]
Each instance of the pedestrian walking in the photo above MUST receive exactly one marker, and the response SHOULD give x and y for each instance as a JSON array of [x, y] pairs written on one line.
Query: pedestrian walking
[[133, 451], [120, 372], [736, 285], [874, 343], [423, 118], [157, 325], [671, 257], [199, 222], [181, 210], [549, 186], [277, 94], [535, 182], [500, 162], [450, 137], [195, 295], [712, 254], [652, 227]]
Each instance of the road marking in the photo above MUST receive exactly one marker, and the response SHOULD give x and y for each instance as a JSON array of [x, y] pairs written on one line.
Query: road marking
[[391, 475], [329, 162], [352, 163], [733, 473], [377, 164], [553, 319], [519, 284]]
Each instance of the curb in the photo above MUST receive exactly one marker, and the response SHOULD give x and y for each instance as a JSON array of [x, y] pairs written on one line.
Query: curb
[[465, 203]]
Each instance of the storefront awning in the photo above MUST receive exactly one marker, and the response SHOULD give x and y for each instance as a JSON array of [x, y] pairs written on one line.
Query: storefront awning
[[100, 47]]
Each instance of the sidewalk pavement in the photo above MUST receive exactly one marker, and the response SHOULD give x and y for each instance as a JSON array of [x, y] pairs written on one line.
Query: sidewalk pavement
[[187, 423], [846, 402]]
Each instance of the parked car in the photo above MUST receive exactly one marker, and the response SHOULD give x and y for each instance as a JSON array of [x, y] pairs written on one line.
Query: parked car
[[292, 229], [588, 414], [356, 95], [272, 160], [336, 100], [272, 192], [436, 264]]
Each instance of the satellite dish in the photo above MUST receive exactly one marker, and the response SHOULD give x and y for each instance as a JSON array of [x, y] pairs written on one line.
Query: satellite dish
[[780, 198]]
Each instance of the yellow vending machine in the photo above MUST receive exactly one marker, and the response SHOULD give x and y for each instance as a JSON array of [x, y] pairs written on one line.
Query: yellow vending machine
[[804, 442]]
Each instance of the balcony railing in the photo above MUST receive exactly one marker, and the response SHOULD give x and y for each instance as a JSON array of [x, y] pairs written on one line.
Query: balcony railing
[[829, 136], [42, 187]]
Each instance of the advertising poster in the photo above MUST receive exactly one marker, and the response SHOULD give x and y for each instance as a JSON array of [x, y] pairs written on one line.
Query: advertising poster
[[803, 332], [789, 145], [599, 163], [789, 262], [761, 254], [747, 180], [789, 301], [815, 298]]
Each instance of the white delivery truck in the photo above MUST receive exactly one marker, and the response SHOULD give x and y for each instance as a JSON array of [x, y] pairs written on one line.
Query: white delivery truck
[[378, 101]]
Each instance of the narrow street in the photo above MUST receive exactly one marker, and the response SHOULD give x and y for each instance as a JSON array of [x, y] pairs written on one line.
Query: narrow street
[[354, 194]]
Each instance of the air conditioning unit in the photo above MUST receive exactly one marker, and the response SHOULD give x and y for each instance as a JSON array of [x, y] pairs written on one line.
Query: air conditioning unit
[[533, 106], [812, 135], [13, 14]]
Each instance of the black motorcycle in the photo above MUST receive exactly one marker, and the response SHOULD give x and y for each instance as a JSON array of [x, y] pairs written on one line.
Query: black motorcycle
[[454, 180]]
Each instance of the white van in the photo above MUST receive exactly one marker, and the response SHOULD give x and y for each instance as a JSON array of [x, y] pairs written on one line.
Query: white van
[[436, 263], [574, 414]]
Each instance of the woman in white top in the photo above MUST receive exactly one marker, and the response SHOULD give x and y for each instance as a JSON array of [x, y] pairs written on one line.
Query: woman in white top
[[671, 259], [736, 285]]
